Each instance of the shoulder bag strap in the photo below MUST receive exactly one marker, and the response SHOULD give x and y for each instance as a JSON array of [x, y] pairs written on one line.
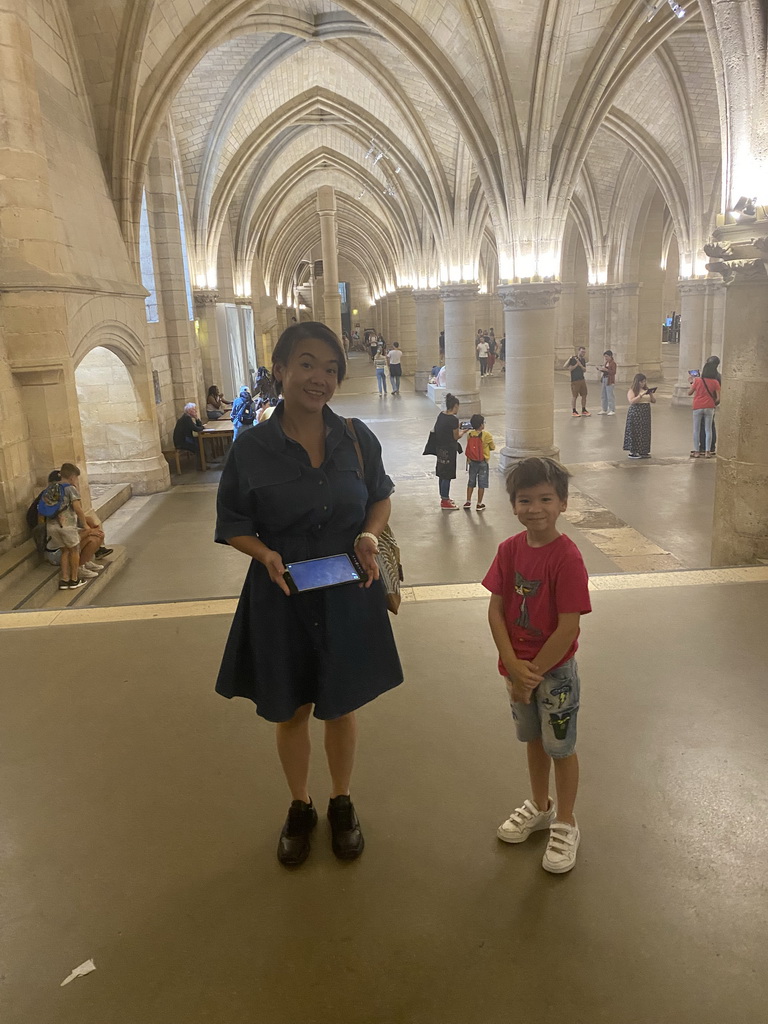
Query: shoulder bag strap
[[358, 449], [714, 398]]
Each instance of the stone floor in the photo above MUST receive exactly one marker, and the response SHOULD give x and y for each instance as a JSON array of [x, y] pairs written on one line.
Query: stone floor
[[140, 811], [646, 516], [140, 815]]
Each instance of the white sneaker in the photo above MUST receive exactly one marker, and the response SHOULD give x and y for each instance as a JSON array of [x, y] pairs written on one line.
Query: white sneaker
[[560, 855], [86, 574], [523, 821], [610, 414], [93, 566], [602, 413]]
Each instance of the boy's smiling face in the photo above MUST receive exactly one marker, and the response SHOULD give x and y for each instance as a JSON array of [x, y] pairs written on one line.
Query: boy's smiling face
[[538, 508]]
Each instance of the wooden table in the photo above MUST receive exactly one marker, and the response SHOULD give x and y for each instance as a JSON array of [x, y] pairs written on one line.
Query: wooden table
[[223, 429]]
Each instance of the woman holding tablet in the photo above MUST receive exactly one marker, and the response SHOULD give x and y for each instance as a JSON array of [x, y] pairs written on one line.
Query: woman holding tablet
[[292, 490]]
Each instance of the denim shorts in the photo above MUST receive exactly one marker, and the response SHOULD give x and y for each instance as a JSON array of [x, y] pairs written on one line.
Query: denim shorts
[[478, 474], [552, 712]]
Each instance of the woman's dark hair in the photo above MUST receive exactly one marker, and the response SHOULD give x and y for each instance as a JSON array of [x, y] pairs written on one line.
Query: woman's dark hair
[[54, 477], [451, 401], [709, 369], [312, 330], [639, 378], [476, 421], [608, 353], [532, 472], [69, 469], [212, 391]]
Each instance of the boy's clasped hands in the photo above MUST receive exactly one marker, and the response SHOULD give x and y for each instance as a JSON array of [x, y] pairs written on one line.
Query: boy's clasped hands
[[522, 679]]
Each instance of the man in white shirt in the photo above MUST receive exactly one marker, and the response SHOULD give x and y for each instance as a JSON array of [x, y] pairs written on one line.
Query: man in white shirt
[[395, 369], [483, 351]]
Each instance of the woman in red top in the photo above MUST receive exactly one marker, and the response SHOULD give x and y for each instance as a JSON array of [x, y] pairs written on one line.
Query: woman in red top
[[706, 397]]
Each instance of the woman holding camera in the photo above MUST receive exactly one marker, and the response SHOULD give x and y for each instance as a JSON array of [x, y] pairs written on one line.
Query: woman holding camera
[[293, 489]]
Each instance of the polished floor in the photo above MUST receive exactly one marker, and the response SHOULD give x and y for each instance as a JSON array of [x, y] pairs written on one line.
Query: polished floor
[[140, 811]]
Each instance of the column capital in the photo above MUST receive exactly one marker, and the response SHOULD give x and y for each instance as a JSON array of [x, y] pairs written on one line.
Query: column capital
[[405, 290], [536, 295], [205, 297], [426, 294], [468, 290], [618, 289], [697, 285]]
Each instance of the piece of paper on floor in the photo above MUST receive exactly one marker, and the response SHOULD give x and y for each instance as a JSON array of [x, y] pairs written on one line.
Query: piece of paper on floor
[[79, 972]]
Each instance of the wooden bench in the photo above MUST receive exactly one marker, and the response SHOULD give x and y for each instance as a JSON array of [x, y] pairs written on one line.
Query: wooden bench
[[174, 457]]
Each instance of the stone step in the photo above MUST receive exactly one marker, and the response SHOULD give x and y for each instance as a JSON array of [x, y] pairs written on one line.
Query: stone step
[[25, 580]]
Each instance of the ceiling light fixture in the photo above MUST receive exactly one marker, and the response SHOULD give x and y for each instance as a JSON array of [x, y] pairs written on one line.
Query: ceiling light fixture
[[654, 8]]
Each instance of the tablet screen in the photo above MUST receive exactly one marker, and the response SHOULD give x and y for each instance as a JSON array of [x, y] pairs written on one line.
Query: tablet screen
[[323, 572]]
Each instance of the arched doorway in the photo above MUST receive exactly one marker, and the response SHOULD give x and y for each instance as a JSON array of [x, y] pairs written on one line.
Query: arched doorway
[[119, 428]]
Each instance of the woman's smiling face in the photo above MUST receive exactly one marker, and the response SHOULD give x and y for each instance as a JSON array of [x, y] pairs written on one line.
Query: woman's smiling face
[[310, 377]]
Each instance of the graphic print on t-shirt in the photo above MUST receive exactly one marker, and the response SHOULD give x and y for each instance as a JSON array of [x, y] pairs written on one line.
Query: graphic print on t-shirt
[[525, 588]]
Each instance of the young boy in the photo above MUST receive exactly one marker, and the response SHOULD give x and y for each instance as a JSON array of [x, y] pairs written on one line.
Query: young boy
[[478, 459], [539, 590]]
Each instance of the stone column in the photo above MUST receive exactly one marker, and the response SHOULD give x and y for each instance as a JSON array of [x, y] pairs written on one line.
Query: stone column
[[407, 332], [698, 302], [740, 530], [384, 330], [184, 358], [529, 385], [207, 329], [393, 316], [565, 343], [427, 332], [461, 367], [326, 207], [613, 310], [40, 418]]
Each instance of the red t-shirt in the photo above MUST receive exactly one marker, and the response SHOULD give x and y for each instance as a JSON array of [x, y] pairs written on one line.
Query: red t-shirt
[[701, 400], [537, 585]]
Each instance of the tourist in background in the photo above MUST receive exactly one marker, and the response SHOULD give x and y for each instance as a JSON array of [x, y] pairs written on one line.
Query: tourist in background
[[608, 379], [243, 414], [380, 365], [215, 404], [395, 356], [637, 433], [711, 366], [578, 365], [706, 397], [448, 432], [482, 353], [188, 427]]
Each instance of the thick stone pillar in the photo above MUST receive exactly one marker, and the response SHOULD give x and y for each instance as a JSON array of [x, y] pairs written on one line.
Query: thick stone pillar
[[462, 374], [698, 304], [393, 316], [613, 310], [529, 385], [740, 529], [407, 332], [326, 207], [384, 331], [427, 303]]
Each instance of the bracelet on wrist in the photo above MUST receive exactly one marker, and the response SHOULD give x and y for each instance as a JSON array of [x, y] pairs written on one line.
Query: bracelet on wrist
[[370, 536]]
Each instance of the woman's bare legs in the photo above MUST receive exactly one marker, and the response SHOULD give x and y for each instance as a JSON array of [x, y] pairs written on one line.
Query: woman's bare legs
[[340, 746], [293, 747]]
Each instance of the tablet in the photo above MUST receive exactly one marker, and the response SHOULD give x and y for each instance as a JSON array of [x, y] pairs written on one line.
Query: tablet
[[317, 573]]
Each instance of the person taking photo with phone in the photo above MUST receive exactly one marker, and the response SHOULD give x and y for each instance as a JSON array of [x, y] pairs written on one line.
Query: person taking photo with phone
[[705, 388], [293, 489]]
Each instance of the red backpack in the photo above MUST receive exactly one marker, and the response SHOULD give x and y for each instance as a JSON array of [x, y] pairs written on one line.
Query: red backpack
[[475, 450]]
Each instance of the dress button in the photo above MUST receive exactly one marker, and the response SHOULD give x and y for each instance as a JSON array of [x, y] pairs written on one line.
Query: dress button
[[325, 508]]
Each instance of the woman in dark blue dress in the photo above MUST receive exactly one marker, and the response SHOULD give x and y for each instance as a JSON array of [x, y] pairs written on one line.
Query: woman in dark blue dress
[[292, 488]]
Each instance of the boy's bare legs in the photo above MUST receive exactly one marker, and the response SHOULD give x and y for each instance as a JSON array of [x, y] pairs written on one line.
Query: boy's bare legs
[[480, 493], [293, 747], [539, 764], [567, 784], [340, 747], [470, 491]]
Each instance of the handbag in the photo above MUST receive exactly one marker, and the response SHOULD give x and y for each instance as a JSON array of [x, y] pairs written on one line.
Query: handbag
[[388, 555], [430, 448]]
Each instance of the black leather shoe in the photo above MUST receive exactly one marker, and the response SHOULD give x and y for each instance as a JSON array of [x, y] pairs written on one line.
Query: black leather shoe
[[293, 848], [346, 836]]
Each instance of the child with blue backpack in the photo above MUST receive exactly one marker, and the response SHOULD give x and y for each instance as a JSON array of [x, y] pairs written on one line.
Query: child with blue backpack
[[64, 518], [243, 412]]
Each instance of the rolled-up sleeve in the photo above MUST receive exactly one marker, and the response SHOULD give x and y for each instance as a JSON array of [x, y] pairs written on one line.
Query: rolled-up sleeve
[[233, 516], [379, 485]]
